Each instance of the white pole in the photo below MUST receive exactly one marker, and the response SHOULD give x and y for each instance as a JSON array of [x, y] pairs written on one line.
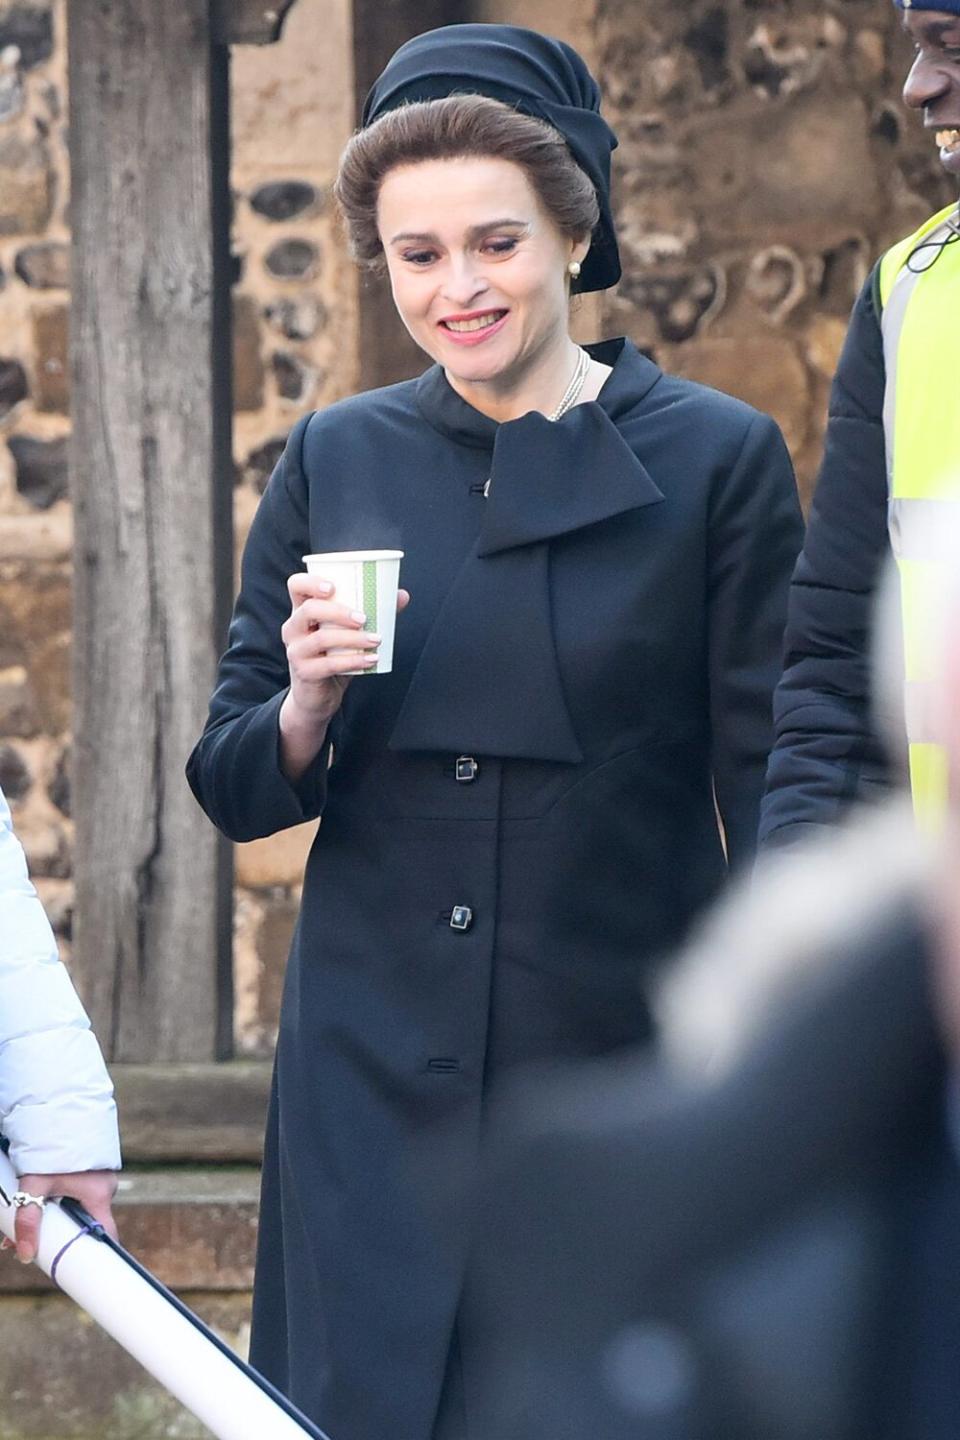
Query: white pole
[[172, 1345]]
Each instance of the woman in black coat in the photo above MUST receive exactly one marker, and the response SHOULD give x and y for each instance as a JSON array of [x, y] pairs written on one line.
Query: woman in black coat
[[523, 815]]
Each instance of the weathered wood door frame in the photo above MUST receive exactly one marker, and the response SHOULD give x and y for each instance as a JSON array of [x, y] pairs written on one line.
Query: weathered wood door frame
[[152, 487]]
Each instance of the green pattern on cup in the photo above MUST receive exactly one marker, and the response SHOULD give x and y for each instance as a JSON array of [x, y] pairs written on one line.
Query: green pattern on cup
[[370, 594]]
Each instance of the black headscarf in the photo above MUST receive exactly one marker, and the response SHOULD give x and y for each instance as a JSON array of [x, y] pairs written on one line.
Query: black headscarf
[[533, 73]]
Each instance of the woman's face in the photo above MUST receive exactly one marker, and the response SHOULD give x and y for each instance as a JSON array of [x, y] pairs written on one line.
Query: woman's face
[[933, 84], [477, 267]]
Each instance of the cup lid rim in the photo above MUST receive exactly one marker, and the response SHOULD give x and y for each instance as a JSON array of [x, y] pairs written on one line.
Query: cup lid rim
[[343, 557]]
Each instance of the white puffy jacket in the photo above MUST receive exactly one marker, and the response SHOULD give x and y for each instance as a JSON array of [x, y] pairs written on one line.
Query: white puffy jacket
[[56, 1100]]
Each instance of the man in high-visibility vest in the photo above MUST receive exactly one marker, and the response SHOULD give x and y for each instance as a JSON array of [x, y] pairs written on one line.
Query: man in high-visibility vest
[[892, 461]]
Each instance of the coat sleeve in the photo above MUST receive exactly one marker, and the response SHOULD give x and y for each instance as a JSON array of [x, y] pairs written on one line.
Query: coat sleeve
[[756, 530], [56, 1100], [826, 753], [234, 770]]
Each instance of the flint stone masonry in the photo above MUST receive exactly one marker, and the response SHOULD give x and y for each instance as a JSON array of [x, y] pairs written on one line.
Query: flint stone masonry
[[11, 84], [260, 463], [26, 185], [765, 162], [293, 259], [45, 266], [18, 713], [283, 199], [247, 361], [297, 317], [41, 469], [59, 786], [15, 777], [50, 340], [30, 28], [13, 385], [294, 380]]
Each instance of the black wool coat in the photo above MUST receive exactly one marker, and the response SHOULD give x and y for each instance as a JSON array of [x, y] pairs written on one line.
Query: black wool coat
[[516, 822]]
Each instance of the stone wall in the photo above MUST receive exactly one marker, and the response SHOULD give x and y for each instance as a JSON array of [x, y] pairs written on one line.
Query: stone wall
[[764, 160], [294, 348]]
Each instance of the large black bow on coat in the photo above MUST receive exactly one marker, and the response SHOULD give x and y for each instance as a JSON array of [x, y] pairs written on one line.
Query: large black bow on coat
[[488, 680]]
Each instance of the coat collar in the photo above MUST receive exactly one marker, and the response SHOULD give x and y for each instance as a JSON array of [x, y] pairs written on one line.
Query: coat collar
[[547, 479]]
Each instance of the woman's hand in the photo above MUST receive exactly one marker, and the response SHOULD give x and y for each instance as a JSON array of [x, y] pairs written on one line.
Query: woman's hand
[[323, 641], [93, 1188]]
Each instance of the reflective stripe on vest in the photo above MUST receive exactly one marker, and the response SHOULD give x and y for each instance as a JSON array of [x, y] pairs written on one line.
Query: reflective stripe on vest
[[921, 418]]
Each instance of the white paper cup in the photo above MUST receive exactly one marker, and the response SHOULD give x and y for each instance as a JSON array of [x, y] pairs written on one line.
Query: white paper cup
[[365, 580]]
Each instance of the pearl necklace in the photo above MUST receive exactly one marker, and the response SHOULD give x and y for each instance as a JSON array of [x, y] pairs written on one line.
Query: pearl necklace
[[572, 393]]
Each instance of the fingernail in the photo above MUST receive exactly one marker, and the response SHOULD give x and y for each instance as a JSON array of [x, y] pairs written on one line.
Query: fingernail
[[325, 588], [373, 638], [369, 660], [24, 1259], [359, 616]]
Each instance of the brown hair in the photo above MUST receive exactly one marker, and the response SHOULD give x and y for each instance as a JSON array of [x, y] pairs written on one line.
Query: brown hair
[[452, 129]]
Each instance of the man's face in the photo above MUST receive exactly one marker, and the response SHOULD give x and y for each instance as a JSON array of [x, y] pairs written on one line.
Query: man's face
[[933, 84]]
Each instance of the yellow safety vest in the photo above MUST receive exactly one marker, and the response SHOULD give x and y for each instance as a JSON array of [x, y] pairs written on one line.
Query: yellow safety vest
[[920, 320]]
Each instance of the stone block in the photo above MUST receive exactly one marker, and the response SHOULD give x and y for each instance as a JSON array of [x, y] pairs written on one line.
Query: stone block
[[35, 601], [261, 462], [26, 186], [63, 1378], [44, 537], [277, 860], [51, 682], [297, 317], [823, 343], [59, 788], [15, 776], [293, 259], [58, 899], [765, 371], [13, 385], [41, 469], [189, 1114], [30, 28], [11, 84], [50, 348], [264, 929], [45, 266], [247, 360], [35, 606], [45, 846], [294, 380], [283, 199], [18, 712], [777, 186]]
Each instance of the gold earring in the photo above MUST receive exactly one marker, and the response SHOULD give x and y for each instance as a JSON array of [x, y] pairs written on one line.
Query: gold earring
[[573, 269]]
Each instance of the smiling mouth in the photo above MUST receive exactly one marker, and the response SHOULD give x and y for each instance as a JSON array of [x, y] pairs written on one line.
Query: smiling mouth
[[476, 322], [948, 140]]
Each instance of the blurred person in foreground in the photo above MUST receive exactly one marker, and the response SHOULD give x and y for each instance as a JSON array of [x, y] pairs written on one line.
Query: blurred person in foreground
[[893, 438], [755, 1235], [57, 1112]]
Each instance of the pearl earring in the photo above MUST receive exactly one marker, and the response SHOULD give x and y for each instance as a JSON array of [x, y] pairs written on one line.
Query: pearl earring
[[573, 269]]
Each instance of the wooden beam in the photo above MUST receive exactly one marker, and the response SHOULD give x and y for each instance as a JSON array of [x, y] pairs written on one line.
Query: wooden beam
[[249, 22], [151, 477]]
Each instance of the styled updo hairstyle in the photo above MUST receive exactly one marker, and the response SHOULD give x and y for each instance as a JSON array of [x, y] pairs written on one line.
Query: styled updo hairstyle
[[454, 128]]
